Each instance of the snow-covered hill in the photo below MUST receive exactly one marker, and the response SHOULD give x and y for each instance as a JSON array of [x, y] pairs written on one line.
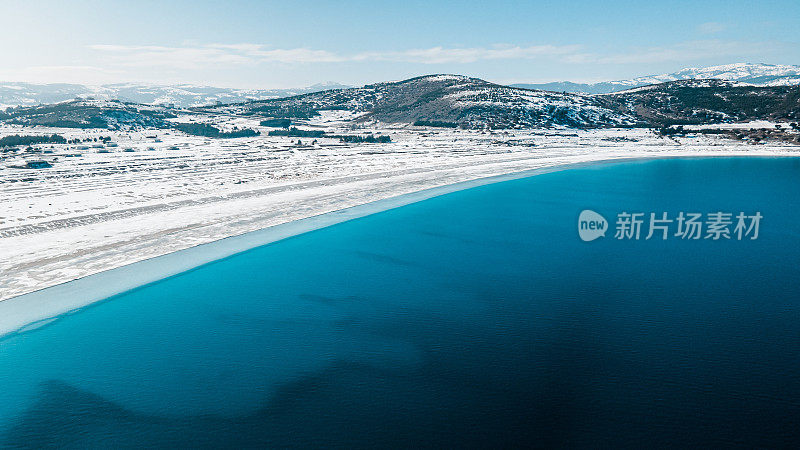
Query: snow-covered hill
[[707, 101], [753, 74], [449, 100], [184, 95], [105, 114]]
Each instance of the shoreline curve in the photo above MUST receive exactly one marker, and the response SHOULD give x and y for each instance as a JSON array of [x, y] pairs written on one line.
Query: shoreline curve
[[29, 311]]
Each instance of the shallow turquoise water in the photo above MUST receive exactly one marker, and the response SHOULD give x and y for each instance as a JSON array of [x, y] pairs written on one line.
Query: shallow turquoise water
[[476, 318]]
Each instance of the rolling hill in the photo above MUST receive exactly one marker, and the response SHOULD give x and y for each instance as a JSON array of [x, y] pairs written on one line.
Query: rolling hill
[[450, 99], [708, 101], [109, 114], [474, 103]]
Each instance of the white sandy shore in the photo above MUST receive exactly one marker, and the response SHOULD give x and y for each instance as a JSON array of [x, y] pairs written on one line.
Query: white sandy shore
[[28, 311], [126, 229]]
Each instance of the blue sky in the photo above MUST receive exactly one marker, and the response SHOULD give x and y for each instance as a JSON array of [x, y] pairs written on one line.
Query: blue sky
[[266, 44]]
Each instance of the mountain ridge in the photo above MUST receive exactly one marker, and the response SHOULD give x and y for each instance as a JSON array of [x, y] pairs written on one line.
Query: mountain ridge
[[749, 73], [447, 100], [14, 94]]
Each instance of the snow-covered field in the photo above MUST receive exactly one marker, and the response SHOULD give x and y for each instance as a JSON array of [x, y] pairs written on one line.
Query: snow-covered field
[[157, 192]]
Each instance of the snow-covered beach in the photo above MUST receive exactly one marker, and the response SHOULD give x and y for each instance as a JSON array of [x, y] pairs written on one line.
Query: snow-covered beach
[[28, 311], [169, 192]]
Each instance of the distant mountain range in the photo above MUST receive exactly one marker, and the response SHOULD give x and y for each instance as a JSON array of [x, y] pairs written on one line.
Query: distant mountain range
[[452, 101], [184, 95], [752, 74], [456, 100]]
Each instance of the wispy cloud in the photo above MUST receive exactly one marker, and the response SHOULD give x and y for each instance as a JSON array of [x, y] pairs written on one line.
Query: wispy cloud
[[172, 57], [194, 56], [711, 27], [682, 52], [60, 73], [80, 69], [441, 55]]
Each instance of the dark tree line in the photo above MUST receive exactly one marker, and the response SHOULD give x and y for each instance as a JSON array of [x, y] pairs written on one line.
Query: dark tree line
[[204, 129], [18, 140]]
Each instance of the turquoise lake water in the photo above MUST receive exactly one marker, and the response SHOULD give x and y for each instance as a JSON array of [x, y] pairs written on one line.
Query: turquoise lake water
[[474, 319]]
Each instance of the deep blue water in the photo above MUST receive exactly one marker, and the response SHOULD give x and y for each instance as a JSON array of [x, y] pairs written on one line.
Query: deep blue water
[[473, 319]]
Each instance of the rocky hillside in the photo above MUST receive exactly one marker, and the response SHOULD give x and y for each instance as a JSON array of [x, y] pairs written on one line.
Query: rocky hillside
[[89, 114], [473, 103], [448, 99], [707, 101]]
